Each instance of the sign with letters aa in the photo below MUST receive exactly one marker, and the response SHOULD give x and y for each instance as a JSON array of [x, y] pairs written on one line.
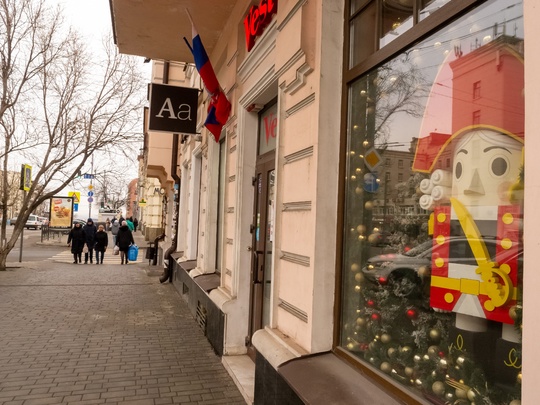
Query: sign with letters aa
[[173, 109]]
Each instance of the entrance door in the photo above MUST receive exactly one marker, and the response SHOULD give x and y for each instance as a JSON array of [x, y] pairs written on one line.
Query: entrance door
[[262, 241]]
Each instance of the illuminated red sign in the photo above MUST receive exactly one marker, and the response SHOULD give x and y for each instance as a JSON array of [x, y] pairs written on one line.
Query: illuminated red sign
[[257, 19]]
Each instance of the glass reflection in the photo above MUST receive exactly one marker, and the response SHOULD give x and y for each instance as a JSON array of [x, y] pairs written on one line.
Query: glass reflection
[[433, 245]]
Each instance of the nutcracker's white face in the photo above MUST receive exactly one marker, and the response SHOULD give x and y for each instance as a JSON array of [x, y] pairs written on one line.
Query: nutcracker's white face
[[486, 163]]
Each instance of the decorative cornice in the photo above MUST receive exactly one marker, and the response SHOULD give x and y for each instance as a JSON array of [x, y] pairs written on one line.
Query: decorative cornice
[[297, 206], [295, 258], [291, 14], [300, 105], [298, 155], [301, 73], [293, 310]]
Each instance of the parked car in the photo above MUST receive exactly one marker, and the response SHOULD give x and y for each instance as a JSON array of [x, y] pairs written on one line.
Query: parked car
[[13, 221], [33, 222], [415, 264]]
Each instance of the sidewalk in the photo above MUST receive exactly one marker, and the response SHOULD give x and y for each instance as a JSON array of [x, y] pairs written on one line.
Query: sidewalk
[[74, 334]]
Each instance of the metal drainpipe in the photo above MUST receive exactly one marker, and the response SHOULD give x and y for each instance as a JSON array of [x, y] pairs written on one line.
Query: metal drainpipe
[[168, 271]]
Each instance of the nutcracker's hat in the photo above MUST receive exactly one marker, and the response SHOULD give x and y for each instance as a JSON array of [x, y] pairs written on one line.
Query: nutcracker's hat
[[481, 90]]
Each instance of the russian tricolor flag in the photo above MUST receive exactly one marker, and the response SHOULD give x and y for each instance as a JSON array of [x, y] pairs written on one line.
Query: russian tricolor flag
[[219, 108]]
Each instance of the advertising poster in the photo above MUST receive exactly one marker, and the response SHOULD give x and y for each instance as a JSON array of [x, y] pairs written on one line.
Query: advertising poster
[[61, 212]]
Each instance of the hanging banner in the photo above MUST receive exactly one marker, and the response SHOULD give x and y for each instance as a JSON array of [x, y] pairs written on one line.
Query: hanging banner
[[61, 212]]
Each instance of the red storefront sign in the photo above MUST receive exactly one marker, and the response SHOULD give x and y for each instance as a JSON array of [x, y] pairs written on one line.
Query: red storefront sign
[[257, 19]]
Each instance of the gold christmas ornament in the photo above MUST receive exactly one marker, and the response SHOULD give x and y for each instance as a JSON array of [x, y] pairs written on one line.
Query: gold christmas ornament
[[461, 394], [471, 395], [359, 277], [417, 358], [515, 402], [386, 338], [405, 349], [409, 371], [368, 205], [443, 364], [355, 267], [357, 288], [386, 367], [426, 357], [350, 346], [438, 388], [391, 352], [360, 321], [460, 360], [418, 382], [435, 335], [361, 228], [449, 396], [518, 378], [358, 190], [433, 351]]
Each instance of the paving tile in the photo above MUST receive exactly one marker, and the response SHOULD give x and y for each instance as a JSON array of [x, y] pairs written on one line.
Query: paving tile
[[110, 336]]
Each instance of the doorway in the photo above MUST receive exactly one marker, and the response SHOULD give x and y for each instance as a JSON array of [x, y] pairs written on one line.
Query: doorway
[[262, 244]]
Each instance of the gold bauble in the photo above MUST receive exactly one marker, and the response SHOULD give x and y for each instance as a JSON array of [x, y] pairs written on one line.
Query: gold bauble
[[438, 388], [409, 371], [350, 346], [353, 177], [405, 350], [515, 402], [417, 358], [425, 357], [418, 382], [355, 267], [461, 394], [391, 352], [460, 360], [368, 205], [386, 338], [386, 367], [357, 288], [435, 335], [361, 228], [433, 351], [358, 190], [359, 277], [518, 378], [443, 364], [360, 321], [449, 396], [471, 395], [358, 170]]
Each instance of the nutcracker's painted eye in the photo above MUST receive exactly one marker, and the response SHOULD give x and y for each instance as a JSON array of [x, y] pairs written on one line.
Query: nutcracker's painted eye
[[459, 170], [499, 166]]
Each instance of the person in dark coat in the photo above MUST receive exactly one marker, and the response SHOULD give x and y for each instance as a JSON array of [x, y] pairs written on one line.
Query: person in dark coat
[[90, 230], [135, 224], [102, 241], [124, 240], [77, 239]]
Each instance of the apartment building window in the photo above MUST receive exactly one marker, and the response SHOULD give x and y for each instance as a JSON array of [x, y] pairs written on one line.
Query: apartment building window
[[432, 323], [400, 164], [476, 90]]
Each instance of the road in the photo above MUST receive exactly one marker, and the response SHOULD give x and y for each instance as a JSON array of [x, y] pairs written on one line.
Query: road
[[33, 250]]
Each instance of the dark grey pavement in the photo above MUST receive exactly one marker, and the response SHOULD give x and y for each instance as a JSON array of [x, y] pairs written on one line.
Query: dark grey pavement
[[107, 334]]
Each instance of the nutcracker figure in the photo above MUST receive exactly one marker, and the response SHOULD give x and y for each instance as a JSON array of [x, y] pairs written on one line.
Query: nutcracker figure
[[474, 159]]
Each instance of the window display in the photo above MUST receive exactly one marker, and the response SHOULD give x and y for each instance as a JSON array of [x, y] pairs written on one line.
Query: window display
[[433, 248]]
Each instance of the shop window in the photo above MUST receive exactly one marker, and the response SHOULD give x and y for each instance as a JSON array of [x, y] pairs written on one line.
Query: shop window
[[438, 308]]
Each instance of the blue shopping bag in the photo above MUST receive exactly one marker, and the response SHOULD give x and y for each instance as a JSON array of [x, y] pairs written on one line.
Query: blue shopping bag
[[133, 251]]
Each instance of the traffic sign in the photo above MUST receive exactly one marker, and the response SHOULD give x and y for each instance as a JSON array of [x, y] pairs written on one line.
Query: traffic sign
[[371, 183], [90, 187], [90, 193], [90, 199], [75, 207], [75, 195]]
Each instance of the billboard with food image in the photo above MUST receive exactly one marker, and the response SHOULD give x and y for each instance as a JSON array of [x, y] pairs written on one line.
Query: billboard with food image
[[61, 212]]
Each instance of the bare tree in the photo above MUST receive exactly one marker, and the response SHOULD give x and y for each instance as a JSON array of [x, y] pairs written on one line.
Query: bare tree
[[58, 104]]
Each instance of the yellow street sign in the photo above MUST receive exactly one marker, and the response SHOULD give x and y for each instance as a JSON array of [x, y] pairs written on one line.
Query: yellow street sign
[[90, 187], [76, 196]]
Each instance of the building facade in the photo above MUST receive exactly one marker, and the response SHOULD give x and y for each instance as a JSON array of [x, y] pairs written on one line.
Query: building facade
[[358, 229]]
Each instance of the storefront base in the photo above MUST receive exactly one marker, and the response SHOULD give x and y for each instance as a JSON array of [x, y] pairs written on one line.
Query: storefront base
[[195, 292]]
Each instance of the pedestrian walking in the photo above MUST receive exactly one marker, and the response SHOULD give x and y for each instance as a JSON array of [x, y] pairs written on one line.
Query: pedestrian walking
[[76, 239], [90, 230], [107, 224], [130, 224], [135, 224], [115, 225], [102, 241], [124, 240]]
